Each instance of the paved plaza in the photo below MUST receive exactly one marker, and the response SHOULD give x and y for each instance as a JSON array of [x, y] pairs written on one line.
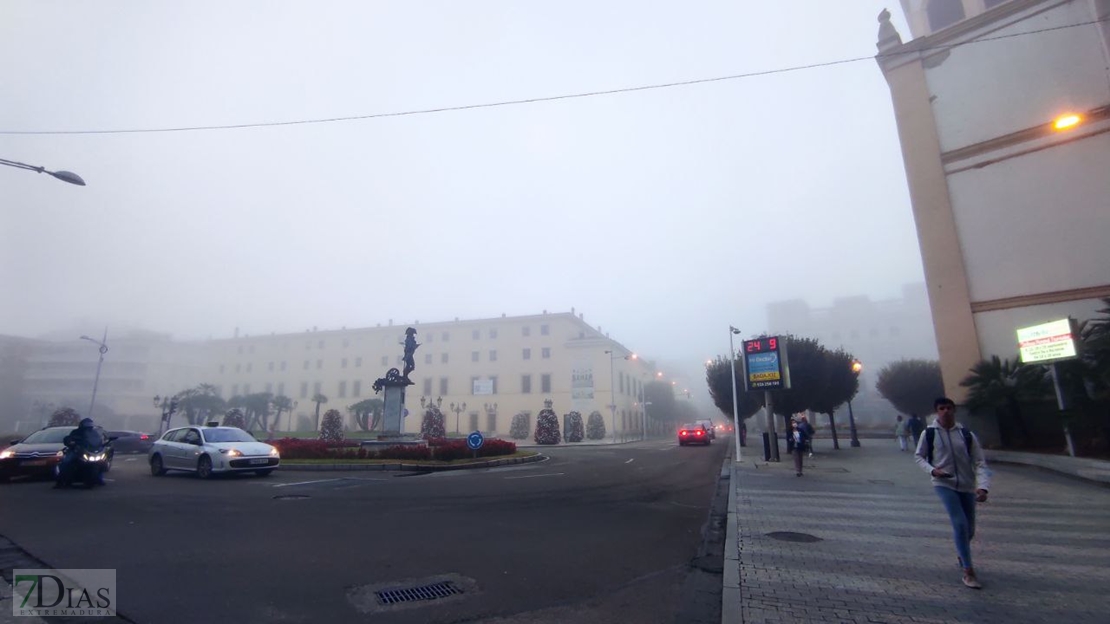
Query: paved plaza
[[885, 550]]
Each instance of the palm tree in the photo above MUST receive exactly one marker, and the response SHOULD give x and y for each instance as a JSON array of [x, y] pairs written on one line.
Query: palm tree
[[281, 403], [1003, 385], [368, 413], [318, 399]]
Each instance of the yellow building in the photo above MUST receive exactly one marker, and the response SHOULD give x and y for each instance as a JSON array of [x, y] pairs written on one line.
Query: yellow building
[[497, 367]]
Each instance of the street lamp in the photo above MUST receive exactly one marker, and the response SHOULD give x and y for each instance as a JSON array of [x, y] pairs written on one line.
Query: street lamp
[[64, 176], [458, 409], [103, 347], [856, 368], [169, 406], [732, 331]]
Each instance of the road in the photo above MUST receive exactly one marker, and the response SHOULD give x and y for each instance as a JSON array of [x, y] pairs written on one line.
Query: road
[[595, 534]]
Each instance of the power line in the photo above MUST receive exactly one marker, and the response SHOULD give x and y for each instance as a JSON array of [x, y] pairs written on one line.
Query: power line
[[551, 98]]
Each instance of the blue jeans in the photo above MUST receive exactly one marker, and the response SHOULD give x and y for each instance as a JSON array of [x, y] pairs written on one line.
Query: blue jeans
[[961, 511]]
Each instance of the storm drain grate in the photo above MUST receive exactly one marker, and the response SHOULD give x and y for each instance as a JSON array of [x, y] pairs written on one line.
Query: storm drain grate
[[413, 594]]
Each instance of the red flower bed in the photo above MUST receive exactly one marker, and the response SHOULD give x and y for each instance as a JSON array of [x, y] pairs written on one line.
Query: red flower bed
[[442, 449], [457, 449], [299, 448]]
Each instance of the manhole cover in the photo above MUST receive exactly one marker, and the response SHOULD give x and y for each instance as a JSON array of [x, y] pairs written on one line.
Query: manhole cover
[[291, 497], [880, 482], [791, 536], [412, 594]]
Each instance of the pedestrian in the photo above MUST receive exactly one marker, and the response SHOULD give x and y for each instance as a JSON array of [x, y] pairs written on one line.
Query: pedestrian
[[900, 429], [808, 430], [960, 477], [796, 445], [917, 425]]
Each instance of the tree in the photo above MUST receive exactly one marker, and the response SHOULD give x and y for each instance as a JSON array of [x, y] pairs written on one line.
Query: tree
[[519, 428], [318, 399], [595, 426], [1003, 385], [809, 374], [257, 409], [280, 403], [64, 417], [367, 413], [199, 403], [841, 386], [332, 429], [911, 386], [235, 418], [432, 425], [547, 425], [718, 376], [574, 430], [662, 406]]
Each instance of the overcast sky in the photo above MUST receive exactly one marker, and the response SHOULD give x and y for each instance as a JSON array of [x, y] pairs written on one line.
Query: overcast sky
[[663, 215]]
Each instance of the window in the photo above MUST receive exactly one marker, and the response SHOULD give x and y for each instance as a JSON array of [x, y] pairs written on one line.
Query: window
[[546, 353], [491, 421], [385, 360], [493, 333], [342, 389], [427, 386], [545, 330], [316, 388], [476, 334], [356, 390], [492, 355], [235, 390], [545, 383], [304, 389], [527, 354], [442, 385], [358, 362], [320, 345], [473, 356], [493, 378], [944, 13], [473, 421], [306, 363], [281, 389], [443, 358], [473, 381], [427, 358], [319, 364], [445, 336], [620, 379], [270, 367], [343, 363], [283, 366], [525, 331], [526, 384]]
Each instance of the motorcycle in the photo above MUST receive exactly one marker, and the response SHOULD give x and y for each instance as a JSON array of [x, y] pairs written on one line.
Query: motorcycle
[[85, 465]]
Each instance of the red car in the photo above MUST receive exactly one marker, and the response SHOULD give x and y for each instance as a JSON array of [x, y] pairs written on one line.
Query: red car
[[693, 434]]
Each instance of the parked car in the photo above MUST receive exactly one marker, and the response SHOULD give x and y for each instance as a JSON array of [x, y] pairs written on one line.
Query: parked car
[[693, 434], [38, 454], [132, 441], [211, 450], [710, 430]]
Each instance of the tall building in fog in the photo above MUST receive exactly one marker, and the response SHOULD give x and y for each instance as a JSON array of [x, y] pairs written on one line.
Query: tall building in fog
[[1010, 206]]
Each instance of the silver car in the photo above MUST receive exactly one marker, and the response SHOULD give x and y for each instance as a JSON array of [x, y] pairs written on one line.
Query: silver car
[[211, 450]]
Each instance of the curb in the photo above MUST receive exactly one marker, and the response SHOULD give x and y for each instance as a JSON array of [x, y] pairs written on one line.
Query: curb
[[730, 584], [1084, 468], [409, 467]]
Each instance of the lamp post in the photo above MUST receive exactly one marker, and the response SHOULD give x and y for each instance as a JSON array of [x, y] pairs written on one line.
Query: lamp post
[[732, 331], [458, 408], [103, 348], [612, 395], [64, 176], [856, 368], [168, 406]]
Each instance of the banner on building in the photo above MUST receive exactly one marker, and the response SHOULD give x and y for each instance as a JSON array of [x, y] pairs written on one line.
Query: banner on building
[[582, 386]]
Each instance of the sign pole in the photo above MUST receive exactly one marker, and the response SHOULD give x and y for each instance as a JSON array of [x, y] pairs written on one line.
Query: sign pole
[[1063, 406], [735, 408], [769, 401]]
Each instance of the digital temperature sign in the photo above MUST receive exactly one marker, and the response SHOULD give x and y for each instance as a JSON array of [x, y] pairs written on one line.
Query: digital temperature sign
[[766, 366]]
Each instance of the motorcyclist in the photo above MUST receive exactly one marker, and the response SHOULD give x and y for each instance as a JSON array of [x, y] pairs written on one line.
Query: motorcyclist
[[85, 438]]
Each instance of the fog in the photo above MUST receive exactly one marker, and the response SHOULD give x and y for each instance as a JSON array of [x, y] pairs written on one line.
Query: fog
[[663, 215]]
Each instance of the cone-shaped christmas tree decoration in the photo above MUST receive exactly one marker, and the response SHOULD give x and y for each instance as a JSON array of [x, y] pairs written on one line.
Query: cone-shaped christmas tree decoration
[[595, 427], [432, 424], [331, 429], [519, 429], [574, 431], [547, 425]]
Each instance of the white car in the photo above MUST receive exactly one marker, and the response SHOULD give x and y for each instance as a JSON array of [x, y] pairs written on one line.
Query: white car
[[211, 450]]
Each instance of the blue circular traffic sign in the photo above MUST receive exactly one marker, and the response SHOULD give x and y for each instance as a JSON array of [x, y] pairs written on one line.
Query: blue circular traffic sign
[[475, 440]]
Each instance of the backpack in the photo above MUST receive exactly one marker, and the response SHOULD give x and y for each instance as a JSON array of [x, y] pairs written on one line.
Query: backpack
[[931, 432]]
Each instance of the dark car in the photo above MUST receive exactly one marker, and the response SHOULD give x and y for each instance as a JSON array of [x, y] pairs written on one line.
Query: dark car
[[131, 441], [38, 454], [693, 434]]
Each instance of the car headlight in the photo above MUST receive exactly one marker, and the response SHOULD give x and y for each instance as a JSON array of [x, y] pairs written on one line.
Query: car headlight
[[6, 454], [232, 452], [273, 452], [60, 453]]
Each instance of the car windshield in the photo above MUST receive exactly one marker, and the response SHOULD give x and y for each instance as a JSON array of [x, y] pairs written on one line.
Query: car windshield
[[47, 436], [227, 435]]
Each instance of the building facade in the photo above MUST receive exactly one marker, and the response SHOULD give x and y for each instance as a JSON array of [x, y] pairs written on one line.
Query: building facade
[[497, 367], [1003, 114]]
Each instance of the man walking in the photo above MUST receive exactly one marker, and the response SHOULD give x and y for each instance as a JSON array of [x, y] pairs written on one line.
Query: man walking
[[900, 428], [916, 427], [954, 459]]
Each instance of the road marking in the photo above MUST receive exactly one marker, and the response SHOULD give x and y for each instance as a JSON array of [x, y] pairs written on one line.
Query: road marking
[[552, 474], [630, 461], [305, 482]]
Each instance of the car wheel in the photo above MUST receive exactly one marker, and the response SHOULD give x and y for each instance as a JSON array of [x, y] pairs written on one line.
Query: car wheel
[[264, 473], [156, 467], [204, 467]]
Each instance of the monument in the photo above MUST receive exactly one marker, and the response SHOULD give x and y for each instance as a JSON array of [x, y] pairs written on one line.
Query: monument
[[393, 385]]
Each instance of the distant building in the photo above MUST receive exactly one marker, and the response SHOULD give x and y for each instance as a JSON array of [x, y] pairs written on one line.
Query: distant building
[[1003, 113], [874, 332]]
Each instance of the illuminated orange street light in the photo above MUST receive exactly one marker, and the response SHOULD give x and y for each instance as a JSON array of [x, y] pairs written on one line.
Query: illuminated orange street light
[[1066, 122]]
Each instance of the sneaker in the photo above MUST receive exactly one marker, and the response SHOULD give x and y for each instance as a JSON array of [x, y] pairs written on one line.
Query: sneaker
[[970, 580]]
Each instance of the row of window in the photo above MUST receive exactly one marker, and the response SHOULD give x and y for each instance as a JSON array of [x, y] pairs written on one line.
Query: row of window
[[545, 330], [355, 387], [475, 356]]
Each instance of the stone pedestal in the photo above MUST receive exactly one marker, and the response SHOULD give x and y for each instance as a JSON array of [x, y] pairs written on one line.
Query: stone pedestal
[[393, 412]]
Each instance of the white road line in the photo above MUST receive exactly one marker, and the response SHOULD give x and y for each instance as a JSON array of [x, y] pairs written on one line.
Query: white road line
[[552, 474], [306, 482], [630, 461]]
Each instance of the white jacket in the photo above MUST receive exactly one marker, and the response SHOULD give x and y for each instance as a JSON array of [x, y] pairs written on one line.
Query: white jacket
[[950, 454]]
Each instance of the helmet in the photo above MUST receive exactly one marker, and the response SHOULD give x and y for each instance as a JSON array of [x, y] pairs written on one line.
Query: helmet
[[86, 422]]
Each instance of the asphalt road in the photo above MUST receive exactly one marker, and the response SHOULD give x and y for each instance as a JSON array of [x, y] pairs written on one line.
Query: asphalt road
[[596, 534]]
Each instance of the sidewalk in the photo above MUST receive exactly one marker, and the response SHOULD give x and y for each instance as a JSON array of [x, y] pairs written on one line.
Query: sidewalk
[[879, 546]]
